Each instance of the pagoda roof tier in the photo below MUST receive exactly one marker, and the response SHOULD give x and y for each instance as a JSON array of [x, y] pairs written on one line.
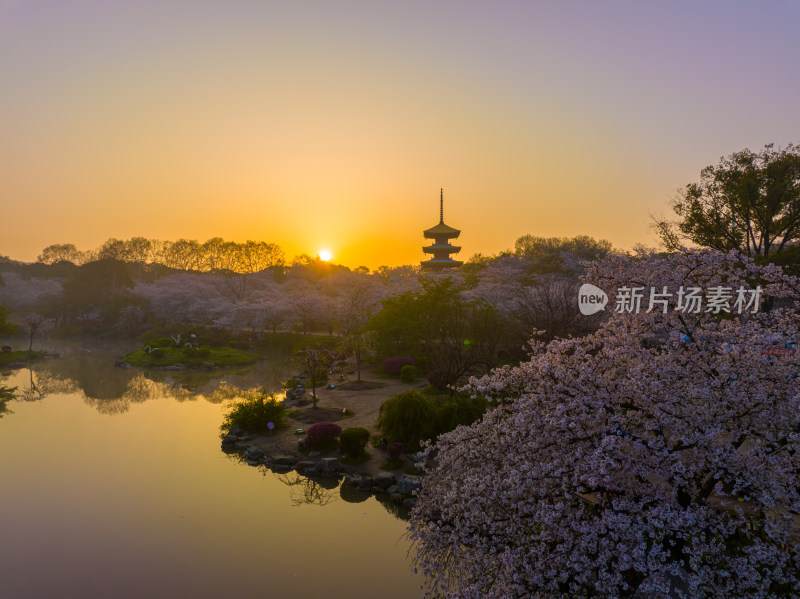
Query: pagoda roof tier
[[431, 249], [441, 230], [435, 262]]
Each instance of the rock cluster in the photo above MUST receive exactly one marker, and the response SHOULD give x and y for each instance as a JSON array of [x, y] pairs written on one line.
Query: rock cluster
[[236, 440], [297, 396], [400, 490]]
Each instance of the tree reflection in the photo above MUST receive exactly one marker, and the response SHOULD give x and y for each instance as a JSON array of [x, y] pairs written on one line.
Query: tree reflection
[[307, 491], [6, 395]]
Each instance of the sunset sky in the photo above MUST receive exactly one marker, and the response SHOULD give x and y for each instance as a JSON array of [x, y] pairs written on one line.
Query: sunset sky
[[334, 124]]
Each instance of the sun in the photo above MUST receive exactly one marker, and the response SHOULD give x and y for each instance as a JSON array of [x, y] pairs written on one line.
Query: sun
[[325, 255]]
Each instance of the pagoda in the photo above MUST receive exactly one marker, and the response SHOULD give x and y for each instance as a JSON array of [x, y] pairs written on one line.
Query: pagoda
[[441, 248]]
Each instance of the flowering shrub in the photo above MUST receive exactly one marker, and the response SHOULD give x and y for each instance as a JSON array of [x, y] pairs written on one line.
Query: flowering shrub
[[394, 365], [322, 436], [599, 472], [394, 451]]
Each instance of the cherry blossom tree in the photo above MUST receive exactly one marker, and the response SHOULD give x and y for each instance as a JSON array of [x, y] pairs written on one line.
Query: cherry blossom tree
[[21, 294], [659, 453], [358, 300], [186, 297]]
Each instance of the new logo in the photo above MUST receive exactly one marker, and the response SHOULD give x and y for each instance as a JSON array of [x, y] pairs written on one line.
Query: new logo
[[591, 299]]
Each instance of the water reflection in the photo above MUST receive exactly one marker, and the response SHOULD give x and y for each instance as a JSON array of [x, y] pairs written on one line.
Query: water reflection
[[6, 395], [112, 390], [304, 490]]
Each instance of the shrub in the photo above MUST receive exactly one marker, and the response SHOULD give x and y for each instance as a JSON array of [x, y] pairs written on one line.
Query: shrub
[[353, 441], [408, 373], [394, 451], [438, 380], [188, 349], [255, 413], [408, 417], [393, 365], [163, 342], [412, 417], [204, 351], [458, 410], [322, 436], [157, 353]]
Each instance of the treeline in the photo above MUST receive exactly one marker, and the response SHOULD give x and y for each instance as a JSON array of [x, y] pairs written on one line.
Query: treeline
[[216, 254], [483, 315]]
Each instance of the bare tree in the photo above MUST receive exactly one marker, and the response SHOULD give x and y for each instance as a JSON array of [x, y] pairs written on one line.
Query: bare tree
[[34, 322]]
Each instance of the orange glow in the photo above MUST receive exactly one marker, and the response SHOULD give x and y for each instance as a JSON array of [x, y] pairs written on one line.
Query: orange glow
[[298, 125]]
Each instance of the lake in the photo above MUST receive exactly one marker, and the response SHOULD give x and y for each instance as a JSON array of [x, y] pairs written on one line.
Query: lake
[[114, 485]]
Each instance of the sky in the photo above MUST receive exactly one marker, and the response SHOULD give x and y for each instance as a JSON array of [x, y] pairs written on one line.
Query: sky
[[333, 125]]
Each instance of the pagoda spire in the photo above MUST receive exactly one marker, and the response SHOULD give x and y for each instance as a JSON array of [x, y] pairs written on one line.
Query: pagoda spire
[[441, 247]]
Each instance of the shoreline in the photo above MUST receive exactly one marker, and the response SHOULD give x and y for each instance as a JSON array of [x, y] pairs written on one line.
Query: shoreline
[[279, 450]]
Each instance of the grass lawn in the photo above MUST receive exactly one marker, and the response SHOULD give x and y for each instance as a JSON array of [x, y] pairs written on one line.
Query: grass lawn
[[7, 357], [167, 356]]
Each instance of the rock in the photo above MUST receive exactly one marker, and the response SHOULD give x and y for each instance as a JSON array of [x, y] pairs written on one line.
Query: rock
[[121, 364], [237, 431], [304, 466], [253, 462], [409, 502], [384, 480], [408, 483], [229, 440], [6, 348], [396, 498], [254, 453], [393, 489], [365, 483], [280, 468], [208, 365], [314, 454], [284, 460], [355, 480], [328, 466]]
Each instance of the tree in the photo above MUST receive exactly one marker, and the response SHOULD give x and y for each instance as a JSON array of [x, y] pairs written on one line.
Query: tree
[[559, 254], [61, 252], [551, 306], [358, 301], [631, 460], [318, 362], [34, 323], [749, 202], [6, 328], [100, 286], [448, 332]]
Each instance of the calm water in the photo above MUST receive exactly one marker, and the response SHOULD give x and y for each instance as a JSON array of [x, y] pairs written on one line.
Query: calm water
[[114, 485]]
